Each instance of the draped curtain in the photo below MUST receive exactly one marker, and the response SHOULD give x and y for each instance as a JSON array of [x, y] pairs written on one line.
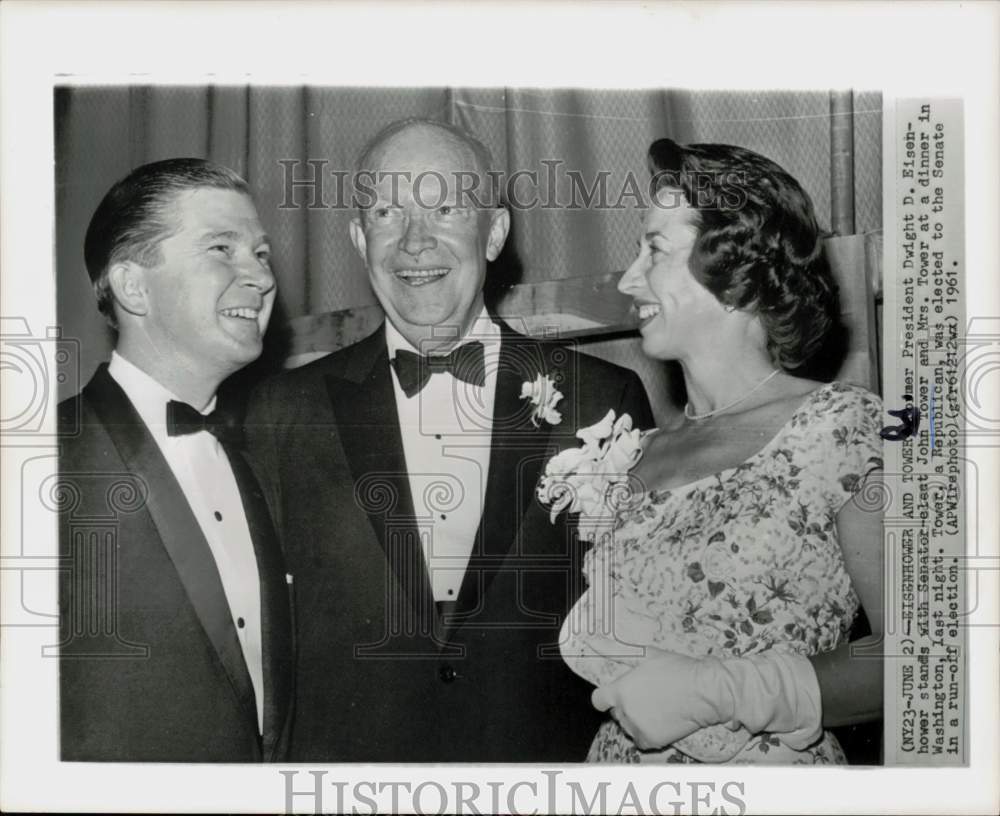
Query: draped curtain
[[270, 134]]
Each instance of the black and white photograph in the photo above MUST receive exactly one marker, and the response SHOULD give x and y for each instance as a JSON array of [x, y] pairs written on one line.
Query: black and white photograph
[[500, 445], [469, 318]]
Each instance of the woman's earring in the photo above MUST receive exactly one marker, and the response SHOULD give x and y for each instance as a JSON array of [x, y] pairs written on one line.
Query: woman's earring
[[730, 309]]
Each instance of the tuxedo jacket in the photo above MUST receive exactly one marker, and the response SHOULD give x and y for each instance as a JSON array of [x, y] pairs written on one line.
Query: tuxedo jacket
[[383, 673], [151, 668]]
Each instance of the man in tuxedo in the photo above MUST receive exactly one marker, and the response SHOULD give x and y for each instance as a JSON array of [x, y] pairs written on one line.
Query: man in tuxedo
[[402, 470], [176, 633]]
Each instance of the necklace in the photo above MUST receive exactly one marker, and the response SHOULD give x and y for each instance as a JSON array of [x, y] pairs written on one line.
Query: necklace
[[726, 407]]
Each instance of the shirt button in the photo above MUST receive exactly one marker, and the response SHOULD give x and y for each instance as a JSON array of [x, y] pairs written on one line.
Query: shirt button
[[447, 673], [218, 516], [444, 517], [240, 622], [437, 436]]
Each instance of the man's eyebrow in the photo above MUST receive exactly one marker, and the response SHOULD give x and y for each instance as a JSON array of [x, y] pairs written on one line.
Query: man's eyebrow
[[233, 235], [230, 235]]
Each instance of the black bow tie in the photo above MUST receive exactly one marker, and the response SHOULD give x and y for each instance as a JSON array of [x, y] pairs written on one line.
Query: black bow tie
[[465, 363], [182, 419]]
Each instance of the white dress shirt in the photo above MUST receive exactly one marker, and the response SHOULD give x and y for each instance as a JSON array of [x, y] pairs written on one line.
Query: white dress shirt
[[205, 476], [447, 429]]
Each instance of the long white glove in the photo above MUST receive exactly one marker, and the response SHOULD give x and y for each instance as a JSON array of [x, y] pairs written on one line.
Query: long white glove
[[670, 696]]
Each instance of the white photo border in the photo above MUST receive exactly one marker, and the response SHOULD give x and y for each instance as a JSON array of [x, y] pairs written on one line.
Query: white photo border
[[901, 49]]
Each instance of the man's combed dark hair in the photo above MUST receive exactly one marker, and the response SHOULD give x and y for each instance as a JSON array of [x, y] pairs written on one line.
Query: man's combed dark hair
[[759, 246], [134, 217]]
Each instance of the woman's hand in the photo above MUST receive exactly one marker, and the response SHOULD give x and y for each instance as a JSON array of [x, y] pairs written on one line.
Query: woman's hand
[[669, 696], [850, 677], [663, 699]]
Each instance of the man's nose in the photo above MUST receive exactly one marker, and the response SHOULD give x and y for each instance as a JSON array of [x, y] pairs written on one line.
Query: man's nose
[[416, 236], [631, 282], [257, 274]]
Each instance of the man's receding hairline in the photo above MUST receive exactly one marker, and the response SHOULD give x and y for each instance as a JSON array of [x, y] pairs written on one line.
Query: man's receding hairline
[[479, 153], [371, 164]]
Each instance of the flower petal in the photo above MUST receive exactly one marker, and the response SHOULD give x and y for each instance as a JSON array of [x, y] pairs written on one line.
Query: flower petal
[[599, 430]]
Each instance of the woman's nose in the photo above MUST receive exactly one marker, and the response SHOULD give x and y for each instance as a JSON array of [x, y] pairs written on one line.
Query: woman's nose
[[629, 282]]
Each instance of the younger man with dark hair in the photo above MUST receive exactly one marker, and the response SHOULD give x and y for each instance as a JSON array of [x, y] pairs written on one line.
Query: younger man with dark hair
[[175, 619]]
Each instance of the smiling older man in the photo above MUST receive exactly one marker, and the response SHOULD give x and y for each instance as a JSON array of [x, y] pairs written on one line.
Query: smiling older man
[[176, 625], [431, 585]]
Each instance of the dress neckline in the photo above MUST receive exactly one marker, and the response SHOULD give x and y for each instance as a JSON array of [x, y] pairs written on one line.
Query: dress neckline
[[806, 402]]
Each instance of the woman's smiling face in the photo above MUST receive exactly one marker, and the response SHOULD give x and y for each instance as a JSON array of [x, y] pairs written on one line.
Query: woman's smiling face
[[675, 310]]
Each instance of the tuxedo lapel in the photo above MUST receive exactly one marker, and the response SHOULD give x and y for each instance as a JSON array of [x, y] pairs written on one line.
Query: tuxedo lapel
[[276, 623], [518, 450], [178, 528], [364, 404]]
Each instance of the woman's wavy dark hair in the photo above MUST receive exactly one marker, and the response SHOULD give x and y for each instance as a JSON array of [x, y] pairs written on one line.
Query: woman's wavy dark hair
[[759, 247]]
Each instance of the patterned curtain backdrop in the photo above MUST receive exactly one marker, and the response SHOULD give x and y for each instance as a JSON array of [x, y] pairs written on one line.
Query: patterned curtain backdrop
[[104, 132]]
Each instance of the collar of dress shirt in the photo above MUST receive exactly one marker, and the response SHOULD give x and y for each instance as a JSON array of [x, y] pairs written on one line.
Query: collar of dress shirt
[[482, 329], [149, 397]]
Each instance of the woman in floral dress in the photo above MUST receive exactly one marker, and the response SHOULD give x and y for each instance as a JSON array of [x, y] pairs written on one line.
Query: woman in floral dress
[[718, 607]]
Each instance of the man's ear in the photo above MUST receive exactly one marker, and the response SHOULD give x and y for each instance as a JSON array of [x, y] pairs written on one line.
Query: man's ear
[[128, 284], [358, 239], [499, 227]]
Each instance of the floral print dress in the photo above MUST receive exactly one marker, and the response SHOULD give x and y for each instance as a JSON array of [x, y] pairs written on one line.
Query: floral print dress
[[733, 564]]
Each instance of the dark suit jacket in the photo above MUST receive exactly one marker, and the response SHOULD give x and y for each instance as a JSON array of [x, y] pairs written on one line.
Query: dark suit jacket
[[382, 674], [150, 665]]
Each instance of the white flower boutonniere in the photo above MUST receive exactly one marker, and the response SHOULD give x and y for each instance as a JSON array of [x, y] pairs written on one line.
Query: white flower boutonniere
[[583, 480], [544, 396]]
